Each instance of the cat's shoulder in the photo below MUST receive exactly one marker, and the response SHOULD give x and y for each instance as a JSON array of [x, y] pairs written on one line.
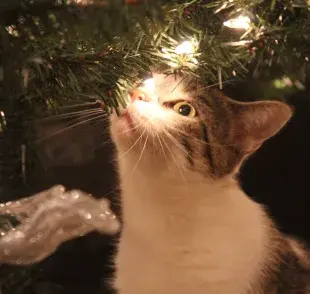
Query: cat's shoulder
[[291, 275]]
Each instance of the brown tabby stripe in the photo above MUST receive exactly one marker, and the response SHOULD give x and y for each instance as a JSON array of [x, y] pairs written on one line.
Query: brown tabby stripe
[[220, 111], [207, 151], [189, 151]]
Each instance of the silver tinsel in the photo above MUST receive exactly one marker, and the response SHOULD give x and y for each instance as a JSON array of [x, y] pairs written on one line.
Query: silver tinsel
[[48, 219]]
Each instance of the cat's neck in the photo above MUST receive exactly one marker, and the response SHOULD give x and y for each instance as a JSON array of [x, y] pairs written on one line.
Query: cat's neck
[[161, 198], [176, 184], [209, 227]]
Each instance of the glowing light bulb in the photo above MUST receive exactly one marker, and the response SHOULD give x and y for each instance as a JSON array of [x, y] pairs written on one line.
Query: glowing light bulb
[[186, 47], [149, 84], [3, 117], [81, 2], [241, 22]]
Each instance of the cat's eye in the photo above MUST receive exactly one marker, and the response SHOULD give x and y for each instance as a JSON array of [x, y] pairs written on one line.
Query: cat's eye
[[185, 109]]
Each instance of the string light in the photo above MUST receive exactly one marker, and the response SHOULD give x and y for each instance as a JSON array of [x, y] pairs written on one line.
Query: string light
[[81, 2], [241, 22], [12, 31], [186, 47], [238, 43], [2, 121], [3, 116], [182, 55], [285, 82], [186, 52]]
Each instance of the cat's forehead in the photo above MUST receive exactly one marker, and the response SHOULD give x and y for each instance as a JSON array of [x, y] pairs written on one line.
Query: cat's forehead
[[170, 87]]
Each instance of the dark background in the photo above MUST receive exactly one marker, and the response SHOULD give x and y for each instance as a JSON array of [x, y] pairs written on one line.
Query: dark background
[[277, 175]]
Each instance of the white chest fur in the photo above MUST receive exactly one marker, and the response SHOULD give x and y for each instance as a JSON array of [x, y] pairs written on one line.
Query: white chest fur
[[186, 238]]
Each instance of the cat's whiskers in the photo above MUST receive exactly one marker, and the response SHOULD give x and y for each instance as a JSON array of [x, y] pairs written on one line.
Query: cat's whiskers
[[217, 84], [153, 143], [70, 127], [176, 143], [151, 120], [131, 129], [183, 150], [179, 146], [110, 140], [132, 146], [173, 140], [199, 140], [162, 148], [192, 137], [105, 120], [201, 89], [174, 159], [144, 146], [71, 114]]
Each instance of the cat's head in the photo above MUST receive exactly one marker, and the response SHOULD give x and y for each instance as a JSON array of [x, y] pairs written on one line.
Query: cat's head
[[171, 123]]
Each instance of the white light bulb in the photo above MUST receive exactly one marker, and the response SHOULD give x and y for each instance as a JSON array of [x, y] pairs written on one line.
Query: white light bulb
[[149, 84], [241, 22], [186, 47]]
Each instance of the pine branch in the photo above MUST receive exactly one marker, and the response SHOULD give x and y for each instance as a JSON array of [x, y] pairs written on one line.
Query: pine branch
[[92, 49]]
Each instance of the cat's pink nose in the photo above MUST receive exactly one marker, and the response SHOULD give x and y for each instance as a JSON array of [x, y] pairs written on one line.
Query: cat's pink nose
[[138, 95]]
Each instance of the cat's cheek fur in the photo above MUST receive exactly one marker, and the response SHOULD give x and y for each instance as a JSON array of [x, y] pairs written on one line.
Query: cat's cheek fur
[[119, 131]]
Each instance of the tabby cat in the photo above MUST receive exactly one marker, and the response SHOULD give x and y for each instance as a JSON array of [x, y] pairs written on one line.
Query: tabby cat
[[187, 225]]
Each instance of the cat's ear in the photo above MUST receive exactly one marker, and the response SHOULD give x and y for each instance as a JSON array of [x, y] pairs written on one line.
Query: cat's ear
[[258, 121]]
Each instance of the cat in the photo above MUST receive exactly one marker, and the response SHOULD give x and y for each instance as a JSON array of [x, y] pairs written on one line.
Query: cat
[[187, 225]]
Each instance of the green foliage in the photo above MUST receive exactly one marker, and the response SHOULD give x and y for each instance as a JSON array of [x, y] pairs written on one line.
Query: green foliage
[[64, 53]]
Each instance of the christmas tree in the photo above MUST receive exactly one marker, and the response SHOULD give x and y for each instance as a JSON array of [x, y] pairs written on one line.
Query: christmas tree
[[78, 57]]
